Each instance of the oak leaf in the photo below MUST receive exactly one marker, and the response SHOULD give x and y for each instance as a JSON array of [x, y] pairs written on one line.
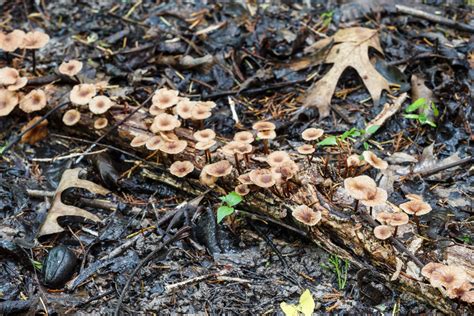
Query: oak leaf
[[350, 49]]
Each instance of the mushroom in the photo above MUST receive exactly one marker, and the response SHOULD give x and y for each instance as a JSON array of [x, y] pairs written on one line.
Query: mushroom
[[11, 41], [8, 101], [244, 137], [173, 147], [207, 104], [164, 122], [306, 215], [33, 101], [412, 196], [139, 140], [464, 292], [312, 133], [70, 68], [428, 269], [374, 198], [448, 276], [278, 158], [205, 178], [308, 150], [383, 232], [384, 217], [242, 149], [204, 135], [8, 76], [263, 126], [200, 113], [352, 162], [242, 189], [81, 94], [164, 98], [19, 83], [263, 178], [100, 104], [184, 108], [359, 187], [153, 143], [34, 40], [100, 123], [416, 208], [219, 169], [266, 136], [244, 178], [206, 146], [398, 219], [71, 117], [374, 161], [181, 168]]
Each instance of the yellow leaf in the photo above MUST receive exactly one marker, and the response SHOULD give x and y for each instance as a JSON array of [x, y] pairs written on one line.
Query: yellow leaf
[[289, 309], [306, 305]]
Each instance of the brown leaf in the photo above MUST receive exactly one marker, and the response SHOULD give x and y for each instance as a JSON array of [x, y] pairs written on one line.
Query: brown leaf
[[69, 179], [351, 50], [36, 134]]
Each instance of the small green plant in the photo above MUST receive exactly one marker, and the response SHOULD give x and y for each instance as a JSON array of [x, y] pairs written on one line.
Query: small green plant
[[37, 265], [340, 268], [227, 205], [351, 134], [423, 107], [305, 306], [327, 18]]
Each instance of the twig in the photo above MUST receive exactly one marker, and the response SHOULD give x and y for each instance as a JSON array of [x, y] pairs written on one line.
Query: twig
[[277, 85], [68, 156], [170, 287], [429, 172]]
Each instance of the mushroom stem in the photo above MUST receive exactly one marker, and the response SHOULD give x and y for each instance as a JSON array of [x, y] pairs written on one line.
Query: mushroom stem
[[8, 58], [370, 211], [201, 124], [395, 232], [247, 159], [417, 222], [237, 163], [33, 56], [356, 206], [77, 78], [265, 146], [208, 156]]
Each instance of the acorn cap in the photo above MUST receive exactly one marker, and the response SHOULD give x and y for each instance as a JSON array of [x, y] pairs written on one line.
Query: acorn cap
[[312, 133], [375, 198], [201, 112], [219, 169], [100, 123], [431, 267], [206, 179], [8, 101], [8, 76], [33, 101], [263, 178], [383, 232], [165, 98], [70, 68], [71, 117], [11, 41], [267, 134], [353, 161], [415, 207], [448, 277], [306, 149], [244, 137], [263, 126], [81, 94], [244, 178], [19, 83], [205, 145], [398, 219], [100, 104], [35, 40], [204, 135], [184, 108], [139, 140], [306, 215], [277, 158], [164, 122], [359, 187], [153, 143], [242, 189], [374, 161], [173, 147], [181, 168]]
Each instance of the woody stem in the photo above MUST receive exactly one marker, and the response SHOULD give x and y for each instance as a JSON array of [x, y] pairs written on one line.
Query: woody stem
[[265, 146], [237, 164], [395, 232], [33, 56], [417, 222]]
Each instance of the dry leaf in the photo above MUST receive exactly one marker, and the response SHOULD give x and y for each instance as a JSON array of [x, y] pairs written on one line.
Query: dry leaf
[[399, 267], [36, 134], [69, 179], [461, 256], [351, 49]]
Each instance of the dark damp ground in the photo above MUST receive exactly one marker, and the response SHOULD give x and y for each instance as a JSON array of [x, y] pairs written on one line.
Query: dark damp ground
[[262, 265]]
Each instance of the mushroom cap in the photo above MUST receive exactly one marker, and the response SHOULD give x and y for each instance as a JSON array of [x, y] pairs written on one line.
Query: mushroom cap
[[168, 136], [244, 137], [398, 219], [306, 149], [33, 101], [242, 189], [19, 83], [205, 178], [81, 94], [8, 101], [204, 135], [464, 292], [427, 270], [100, 123], [100, 104], [312, 133], [153, 143], [448, 276], [359, 187], [383, 232], [267, 134], [184, 108], [285, 171], [71, 117], [412, 196], [164, 122], [263, 178], [173, 147], [353, 161], [165, 98], [278, 158], [201, 112], [219, 169], [263, 126], [375, 198], [229, 149], [415, 207], [35, 40], [244, 178], [181, 168], [8, 76], [70, 68], [374, 161], [11, 41], [242, 148], [306, 215], [208, 104], [139, 140], [384, 217], [205, 145]]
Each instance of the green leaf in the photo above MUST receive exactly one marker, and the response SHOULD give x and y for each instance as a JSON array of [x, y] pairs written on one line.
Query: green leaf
[[372, 129], [306, 305], [328, 141], [224, 211], [435, 109], [366, 146], [422, 118], [37, 265], [430, 123], [412, 116], [233, 198], [416, 105]]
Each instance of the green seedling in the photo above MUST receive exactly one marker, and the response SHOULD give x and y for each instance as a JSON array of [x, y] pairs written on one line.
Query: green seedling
[[340, 268], [305, 306], [327, 18], [351, 134], [227, 205], [424, 108], [37, 265]]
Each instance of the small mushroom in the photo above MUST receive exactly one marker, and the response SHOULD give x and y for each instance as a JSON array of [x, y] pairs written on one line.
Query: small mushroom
[[181, 168], [448, 276], [164, 98], [205, 178], [416, 208], [70, 68], [81, 94], [383, 232], [100, 104], [374, 161], [306, 149], [164, 122], [153, 143], [359, 187], [8, 101], [184, 108], [100, 123], [428, 269], [244, 178], [263, 126], [242, 189], [465, 292], [278, 158], [206, 146], [11, 41], [204, 135], [219, 169], [19, 83], [266, 136], [200, 113], [71, 117], [139, 140], [398, 219], [8, 76], [173, 147], [263, 178], [306, 215], [34, 40], [33, 101], [374, 198], [312, 133], [244, 137]]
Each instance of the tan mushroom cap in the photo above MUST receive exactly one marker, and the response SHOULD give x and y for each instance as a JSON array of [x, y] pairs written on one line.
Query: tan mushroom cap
[[81, 94], [201, 112], [384, 217], [35, 40], [204, 135], [242, 189], [208, 104], [412, 196], [312, 133], [398, 219], [464, 292], [11, 41], [181, 168], [100, 104], [139, 140], [184, 108], [306, 149], [164, 122], [70, 68], [267, 134], [263, 178], [219, 169], [242, 148], [359, 187], [374, 161], [229, 148], [169, 136], [244, 137], [263, 126], [165, 98], [427, 270], [8, 76], [244, 178], [205, 178], [285, 171], [416, 207], [448, 276], [8, 101], [306, 215], [19, 83], [33, 101], [205, 145], [375, 198], [100, 123], [383, 232], [353, 161], [71, 117], [173, 147], [277, 158], [153, 143]]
